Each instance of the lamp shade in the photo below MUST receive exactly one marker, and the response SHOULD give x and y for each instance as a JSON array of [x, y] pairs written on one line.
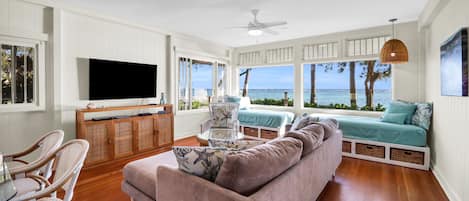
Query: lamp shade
[[394, 51]]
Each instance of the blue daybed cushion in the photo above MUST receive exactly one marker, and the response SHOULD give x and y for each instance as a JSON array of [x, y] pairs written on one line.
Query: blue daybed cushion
[[265, 118], [373, 129]]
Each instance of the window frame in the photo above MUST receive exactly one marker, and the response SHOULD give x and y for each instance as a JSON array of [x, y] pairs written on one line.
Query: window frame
[[38, 103], [342, 111], [215, 61], [238, 71]]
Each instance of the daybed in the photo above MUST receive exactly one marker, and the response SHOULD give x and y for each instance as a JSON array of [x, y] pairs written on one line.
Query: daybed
[[258, 122], [158, 178], [371, 139], [264, 123]]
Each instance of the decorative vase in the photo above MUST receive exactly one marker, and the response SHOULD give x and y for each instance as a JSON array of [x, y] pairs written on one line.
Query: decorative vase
[[162, 99]]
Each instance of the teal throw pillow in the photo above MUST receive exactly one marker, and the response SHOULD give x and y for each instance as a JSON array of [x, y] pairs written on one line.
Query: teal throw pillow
[[401, 107], [395, 118]]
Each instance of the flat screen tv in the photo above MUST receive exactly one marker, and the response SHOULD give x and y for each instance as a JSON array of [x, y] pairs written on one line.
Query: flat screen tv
[[454, 65], [121, 80]]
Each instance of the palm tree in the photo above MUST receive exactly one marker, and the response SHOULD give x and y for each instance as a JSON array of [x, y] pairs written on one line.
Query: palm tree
[[353, 88], [312, 99], [246, 79]]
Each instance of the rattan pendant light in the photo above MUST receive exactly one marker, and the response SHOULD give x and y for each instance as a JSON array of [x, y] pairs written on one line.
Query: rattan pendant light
[[394, 51]]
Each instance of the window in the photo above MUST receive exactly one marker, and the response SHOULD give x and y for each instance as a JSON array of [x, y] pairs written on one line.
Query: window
[[355, 85], [17, 70], [267, 85], [197, 82], [221, 79]]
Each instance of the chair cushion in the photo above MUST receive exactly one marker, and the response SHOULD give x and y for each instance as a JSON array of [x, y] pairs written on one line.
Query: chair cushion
[[142, 173], [25, 185], [204, 162], [247, 171], [223, 114], [312, 137]]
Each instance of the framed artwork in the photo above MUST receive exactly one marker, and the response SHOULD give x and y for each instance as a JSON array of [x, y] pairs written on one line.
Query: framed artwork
[[454, 65]]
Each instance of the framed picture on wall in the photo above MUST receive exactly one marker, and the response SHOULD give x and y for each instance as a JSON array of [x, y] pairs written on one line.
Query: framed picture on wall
[[454, 65]]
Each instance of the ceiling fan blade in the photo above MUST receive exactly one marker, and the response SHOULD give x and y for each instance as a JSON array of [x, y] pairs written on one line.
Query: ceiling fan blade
[[238, 27], [270, 31], [271, 24]]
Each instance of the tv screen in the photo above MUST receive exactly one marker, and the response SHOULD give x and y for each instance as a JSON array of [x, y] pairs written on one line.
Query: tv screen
[[121, 80], [454, 65]]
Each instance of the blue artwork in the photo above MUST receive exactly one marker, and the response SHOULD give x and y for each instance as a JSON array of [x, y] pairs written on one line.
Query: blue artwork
[[454, 65]]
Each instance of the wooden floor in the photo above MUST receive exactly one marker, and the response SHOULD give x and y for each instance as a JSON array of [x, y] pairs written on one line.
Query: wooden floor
[[356, 180]]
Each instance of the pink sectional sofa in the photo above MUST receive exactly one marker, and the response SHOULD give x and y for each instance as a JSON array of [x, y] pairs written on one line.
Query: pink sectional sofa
[[158, 178]]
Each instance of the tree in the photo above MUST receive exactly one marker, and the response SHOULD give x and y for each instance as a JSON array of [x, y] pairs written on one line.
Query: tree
[[373, 72], [246, 79], [353, 88], [312, 99]]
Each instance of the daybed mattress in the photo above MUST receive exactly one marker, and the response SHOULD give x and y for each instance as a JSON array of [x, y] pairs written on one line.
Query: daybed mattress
[[373, 129], [265, 118]]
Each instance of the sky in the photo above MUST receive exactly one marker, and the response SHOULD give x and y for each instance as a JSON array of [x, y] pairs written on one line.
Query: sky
[[282, 77]]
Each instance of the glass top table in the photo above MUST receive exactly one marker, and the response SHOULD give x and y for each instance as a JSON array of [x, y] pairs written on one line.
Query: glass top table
[[7, 189], [203, 137]]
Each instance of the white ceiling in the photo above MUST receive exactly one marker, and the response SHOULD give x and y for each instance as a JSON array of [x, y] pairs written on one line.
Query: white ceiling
[[210, 19]]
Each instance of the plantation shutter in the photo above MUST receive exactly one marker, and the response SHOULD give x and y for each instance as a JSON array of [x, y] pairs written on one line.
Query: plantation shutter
[[365, 46], [279, 55], [249, 58], [321, 51]]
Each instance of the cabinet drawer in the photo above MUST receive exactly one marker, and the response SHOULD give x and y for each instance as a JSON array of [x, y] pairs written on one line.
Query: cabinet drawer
[[346, 147], [268, 134], [251, 131], [409, 156], [370, 150]]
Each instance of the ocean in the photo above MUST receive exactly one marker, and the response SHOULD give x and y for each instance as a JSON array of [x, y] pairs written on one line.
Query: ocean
[[325, 96]]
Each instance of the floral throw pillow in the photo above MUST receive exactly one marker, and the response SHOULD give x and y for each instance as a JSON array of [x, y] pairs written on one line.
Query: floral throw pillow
[[203, 162], [223, 114], [234, 145], [423, 115]]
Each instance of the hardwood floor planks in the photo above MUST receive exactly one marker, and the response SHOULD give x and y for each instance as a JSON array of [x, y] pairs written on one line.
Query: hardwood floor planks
[[356, 180]]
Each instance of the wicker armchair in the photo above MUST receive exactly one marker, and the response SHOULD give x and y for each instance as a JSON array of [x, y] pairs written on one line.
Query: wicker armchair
[[47, 144], [222, 115], [68, 159]]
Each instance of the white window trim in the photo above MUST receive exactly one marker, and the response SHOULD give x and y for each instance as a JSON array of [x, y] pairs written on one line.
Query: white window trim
[[39, 79], [193, 55]]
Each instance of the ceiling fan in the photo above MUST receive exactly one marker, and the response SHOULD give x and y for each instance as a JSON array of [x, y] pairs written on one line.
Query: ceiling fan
[[256, 28]]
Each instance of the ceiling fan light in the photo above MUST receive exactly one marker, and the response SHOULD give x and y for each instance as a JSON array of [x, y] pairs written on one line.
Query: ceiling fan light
[[255, 32]]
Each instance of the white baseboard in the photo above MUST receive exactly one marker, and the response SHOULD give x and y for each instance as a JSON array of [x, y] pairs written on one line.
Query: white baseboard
[[452, 196]]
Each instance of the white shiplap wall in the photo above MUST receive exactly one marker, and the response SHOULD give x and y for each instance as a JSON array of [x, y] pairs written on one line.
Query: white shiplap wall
[[450, 131]]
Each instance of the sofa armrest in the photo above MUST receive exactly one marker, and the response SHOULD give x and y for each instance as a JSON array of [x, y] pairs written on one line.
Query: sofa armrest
[[175, 185]]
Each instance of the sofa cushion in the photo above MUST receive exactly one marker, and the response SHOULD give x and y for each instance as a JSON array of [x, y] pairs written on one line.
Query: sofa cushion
[[235, 145], [312, 137], [302, 121], [141, 173], [330, 127], [247, 171], [203, 162]]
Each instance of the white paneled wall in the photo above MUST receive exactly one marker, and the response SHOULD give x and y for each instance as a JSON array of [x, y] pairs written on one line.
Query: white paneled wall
[[449, 137], [321, 51], [365, 46], [279, 55], [249, 58]]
